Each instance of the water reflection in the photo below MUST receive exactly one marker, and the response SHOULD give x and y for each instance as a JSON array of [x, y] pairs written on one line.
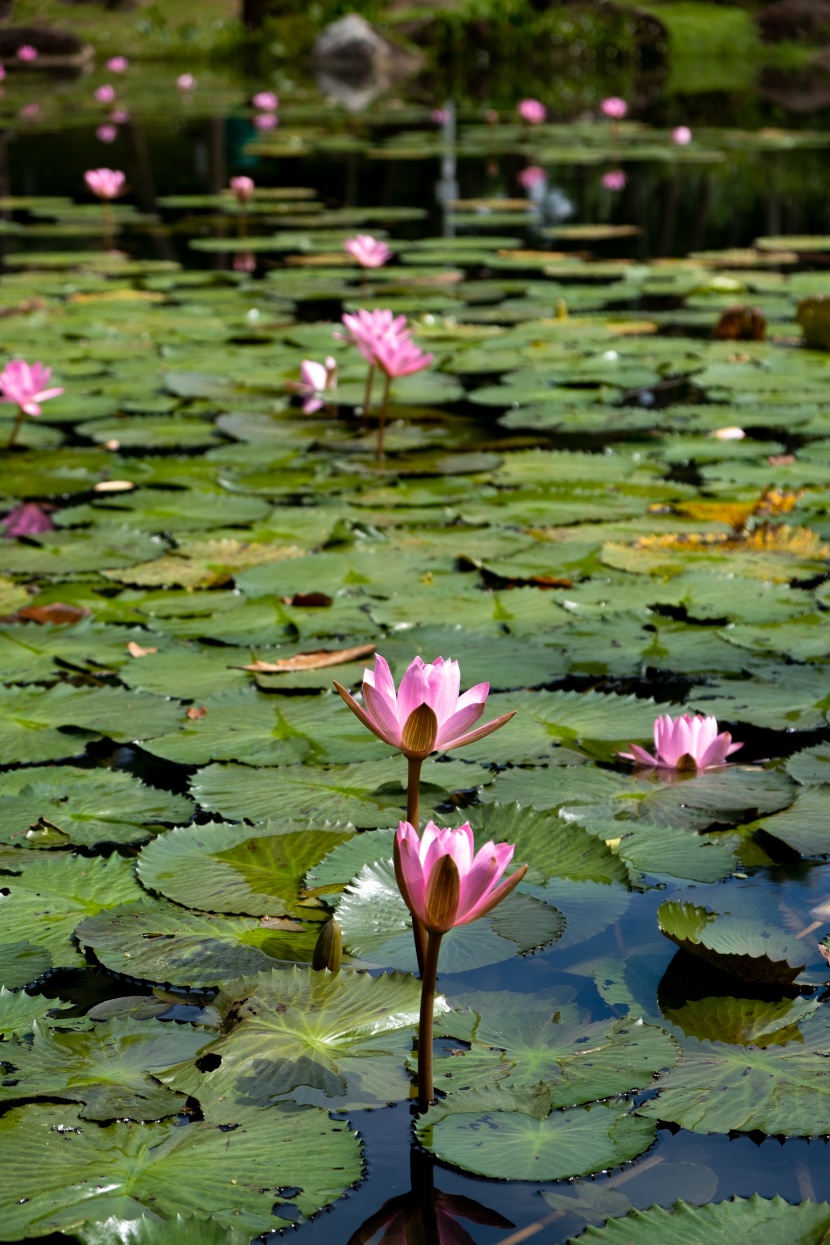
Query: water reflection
[[425, 1215]]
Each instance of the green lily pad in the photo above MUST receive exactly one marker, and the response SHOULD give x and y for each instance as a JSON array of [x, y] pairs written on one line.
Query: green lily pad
[[774, 1221], [733, 940], [160, 1169]]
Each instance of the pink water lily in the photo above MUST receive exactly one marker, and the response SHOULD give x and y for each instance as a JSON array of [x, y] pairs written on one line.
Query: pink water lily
[[532, 110], [444, 881], [614, 107], [266, 121], [242, 188], [27, 385], [27, 53], [106, 133], [681, 135], [185, 82], [426, 712], [105, 94], [315, 379], [532, 176], [266, 100], [368, 251], [365, 328], [105, 183], [614, 180], [690, 742], [118, 64], [26, 519]]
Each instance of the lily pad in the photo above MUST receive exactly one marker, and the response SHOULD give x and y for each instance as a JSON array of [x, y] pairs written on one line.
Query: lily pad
[[774, 1221]]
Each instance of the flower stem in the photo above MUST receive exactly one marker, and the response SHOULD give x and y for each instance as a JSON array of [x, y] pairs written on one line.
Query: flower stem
[[367, 394], [426, 1092], [413, 792], [13, 437], [382, 417]]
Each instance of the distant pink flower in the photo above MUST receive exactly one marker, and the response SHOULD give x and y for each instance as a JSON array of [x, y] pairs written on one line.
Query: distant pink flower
[[242, 188], [615, 180], [368, 251], [244, 261], [25, 385], [185, 82], [107, 133], [266, 121], [444, 881], [315, 379], [119, 115], [26, 519], [689, 742], [532, 176], [614, 107], [398, 718], [266, 101], [118, 64], [27, 53], [105, 94], [439, 115], [365, 327], [532, 110], [105, 183], [2, 73], [681, 135], [30, 111]]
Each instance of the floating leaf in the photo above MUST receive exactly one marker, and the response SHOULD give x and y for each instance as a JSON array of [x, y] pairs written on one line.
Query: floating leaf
[[776, 1222]]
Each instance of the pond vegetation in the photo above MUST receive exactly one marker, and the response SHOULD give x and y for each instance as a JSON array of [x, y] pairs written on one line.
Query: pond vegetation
[[591, 465]]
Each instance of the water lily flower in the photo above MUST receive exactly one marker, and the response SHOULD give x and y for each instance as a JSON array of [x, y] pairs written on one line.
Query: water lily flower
[[118, 64], [242, 188], [315, 379], [444, 881], [105, 183], [367, 327], [30, 111], [2, 73], [244, 261], [681, 135], [267, 101], [730, 433], [614, 180], [26, 385], [266, 121], [532, 176], [439, 115], [185, 82], [690, 742], [119, 116], [107, 133], [368, 251], [27, 53], [614, 107], [105, 94], [26, 519], [426, 712], [532, 110]]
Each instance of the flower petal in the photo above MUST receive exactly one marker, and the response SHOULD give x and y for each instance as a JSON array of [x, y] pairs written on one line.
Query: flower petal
[[479, 732], [457, 725]]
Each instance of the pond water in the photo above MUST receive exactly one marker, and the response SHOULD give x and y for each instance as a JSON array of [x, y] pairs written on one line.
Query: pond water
[[592, 499]]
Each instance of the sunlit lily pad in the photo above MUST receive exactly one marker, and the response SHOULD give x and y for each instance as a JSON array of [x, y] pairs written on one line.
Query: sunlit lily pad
[[774, 1221]]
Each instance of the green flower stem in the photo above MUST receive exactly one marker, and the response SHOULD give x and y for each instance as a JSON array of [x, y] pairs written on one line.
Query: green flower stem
[[426, 1092], [413, 792], [13, 437], [382, 417], [367, 395]]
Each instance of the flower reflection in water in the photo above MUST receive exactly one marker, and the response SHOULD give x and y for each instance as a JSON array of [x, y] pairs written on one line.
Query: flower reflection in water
[[425, 1215]]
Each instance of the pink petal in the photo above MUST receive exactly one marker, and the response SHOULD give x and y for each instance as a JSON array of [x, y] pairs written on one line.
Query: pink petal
[[364, 717], [479, 732], [476, 696], [639, 755], [444, 679], [382, 714], [383, 680], [457, 725], [413, 691], [478, 884], [411, 870]]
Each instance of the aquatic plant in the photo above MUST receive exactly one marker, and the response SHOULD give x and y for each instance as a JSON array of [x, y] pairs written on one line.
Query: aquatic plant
[[690, 742], [444, 883], [614, 107], [266, 101], [533, 111], [118, 64], [315, 379], [682, 135], [105, 94], [368, 251], [26, 385]]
